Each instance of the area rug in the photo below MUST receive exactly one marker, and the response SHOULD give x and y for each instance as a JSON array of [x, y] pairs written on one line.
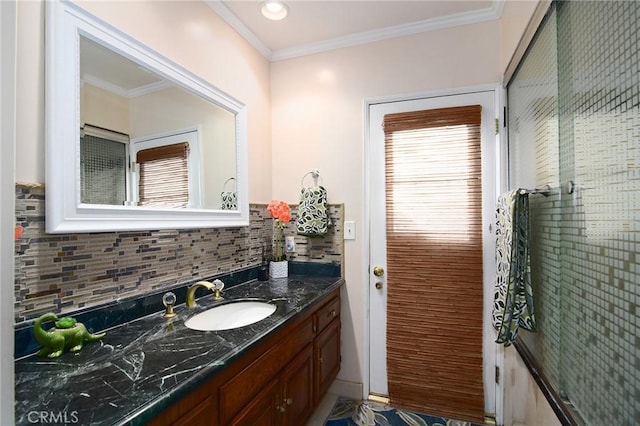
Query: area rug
[[347, 412]]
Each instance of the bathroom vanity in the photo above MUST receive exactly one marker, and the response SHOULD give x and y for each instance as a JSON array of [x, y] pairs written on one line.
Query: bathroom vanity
[[157, 371], [279, 382]]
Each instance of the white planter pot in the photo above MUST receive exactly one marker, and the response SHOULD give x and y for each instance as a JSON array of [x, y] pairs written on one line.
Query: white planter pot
[[279, 269]]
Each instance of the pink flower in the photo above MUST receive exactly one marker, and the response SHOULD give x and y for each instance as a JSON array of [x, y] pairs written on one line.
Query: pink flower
[[281, 212], [285, 216]]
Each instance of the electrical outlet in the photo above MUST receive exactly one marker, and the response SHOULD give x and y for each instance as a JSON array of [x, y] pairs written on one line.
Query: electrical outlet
[[349, 230], [289, 244]]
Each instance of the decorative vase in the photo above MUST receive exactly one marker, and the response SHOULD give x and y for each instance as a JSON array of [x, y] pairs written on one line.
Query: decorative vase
[[279, 269]]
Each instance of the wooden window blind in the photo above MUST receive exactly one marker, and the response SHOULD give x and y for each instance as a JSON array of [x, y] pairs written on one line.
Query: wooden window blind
[[434, 261], [164, 175]]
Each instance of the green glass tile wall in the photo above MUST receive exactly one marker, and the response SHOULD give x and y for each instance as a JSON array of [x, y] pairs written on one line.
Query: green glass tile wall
[[586, 244], [533, 134], [599, 55]]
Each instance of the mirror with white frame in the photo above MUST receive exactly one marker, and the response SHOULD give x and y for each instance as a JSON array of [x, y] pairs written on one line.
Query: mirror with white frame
[[153, 145]]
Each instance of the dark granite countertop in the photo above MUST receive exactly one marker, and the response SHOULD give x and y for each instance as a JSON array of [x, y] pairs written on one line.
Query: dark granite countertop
[[142, 367]]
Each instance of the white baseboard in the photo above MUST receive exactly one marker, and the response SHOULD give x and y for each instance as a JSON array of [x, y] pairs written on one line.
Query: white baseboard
[[349, 390]]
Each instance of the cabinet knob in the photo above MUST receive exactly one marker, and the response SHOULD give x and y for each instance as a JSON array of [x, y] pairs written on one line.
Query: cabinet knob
[[281, 409], [333, 313], [321, 360], [289, 401]]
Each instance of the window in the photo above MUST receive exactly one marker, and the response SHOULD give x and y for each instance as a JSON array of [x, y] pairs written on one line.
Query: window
[[164, 176], [167, 171], [103, 166]]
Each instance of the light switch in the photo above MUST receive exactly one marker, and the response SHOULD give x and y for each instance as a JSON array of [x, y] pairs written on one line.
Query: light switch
[[349, 230]]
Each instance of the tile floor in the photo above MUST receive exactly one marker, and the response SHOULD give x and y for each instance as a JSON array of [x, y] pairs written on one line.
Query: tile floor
[[322, 412]]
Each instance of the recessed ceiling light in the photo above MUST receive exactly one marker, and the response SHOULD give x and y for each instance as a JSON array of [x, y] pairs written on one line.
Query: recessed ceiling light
[[274, 10]]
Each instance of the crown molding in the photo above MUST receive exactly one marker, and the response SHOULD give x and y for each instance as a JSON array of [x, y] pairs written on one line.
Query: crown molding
[[387, 33], [147, 89], [104, 85], [117, 90], [230, 18], [459, 19]]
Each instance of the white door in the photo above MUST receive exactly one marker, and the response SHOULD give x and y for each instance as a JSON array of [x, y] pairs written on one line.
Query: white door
[[377, 228]]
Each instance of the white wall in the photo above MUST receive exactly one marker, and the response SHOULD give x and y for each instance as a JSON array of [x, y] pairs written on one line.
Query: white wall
[[30, 93], [193, 36], [104, 109], [515, 16], [524, 402], [318, 123], [7, 206]]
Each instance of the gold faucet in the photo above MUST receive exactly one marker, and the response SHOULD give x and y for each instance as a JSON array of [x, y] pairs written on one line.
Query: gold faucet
[[191, 291]]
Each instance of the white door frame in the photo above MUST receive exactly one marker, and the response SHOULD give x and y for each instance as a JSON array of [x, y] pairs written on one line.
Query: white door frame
[[492, 352]]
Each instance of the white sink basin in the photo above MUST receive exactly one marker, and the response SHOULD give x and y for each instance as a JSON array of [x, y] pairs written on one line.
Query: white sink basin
[[230, 315]]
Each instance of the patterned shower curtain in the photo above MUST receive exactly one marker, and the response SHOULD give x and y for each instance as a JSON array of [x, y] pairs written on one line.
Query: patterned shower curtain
[[513, 298]]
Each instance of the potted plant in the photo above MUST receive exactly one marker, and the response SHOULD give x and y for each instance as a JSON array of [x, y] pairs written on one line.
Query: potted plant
[[281, 212]]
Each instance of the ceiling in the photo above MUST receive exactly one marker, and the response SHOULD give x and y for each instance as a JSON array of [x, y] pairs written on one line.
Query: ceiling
[[314, 26], [311, 27], [104, 68]]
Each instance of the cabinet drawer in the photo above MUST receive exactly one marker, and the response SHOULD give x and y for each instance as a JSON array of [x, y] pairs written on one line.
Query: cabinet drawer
[[239, 391], [328, 313]]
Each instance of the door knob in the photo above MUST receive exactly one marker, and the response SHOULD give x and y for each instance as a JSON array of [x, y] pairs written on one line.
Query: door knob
[[379, 285], [378, 271]]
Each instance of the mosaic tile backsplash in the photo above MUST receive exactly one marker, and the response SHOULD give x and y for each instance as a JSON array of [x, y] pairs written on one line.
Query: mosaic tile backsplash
[[62, 273], [584, 81]]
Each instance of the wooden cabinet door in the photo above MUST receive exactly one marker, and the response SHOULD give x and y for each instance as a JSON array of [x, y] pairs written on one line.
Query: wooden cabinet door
[[203, 414], [297, 388], [199, 408], [286, 401], [263, 410], [249, 383], [327, 362]]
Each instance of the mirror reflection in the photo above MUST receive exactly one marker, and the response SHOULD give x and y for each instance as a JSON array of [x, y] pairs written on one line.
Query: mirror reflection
[[146, 141]]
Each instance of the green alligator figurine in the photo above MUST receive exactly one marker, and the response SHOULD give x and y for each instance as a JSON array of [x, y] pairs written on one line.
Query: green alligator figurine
[[67, 333]]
